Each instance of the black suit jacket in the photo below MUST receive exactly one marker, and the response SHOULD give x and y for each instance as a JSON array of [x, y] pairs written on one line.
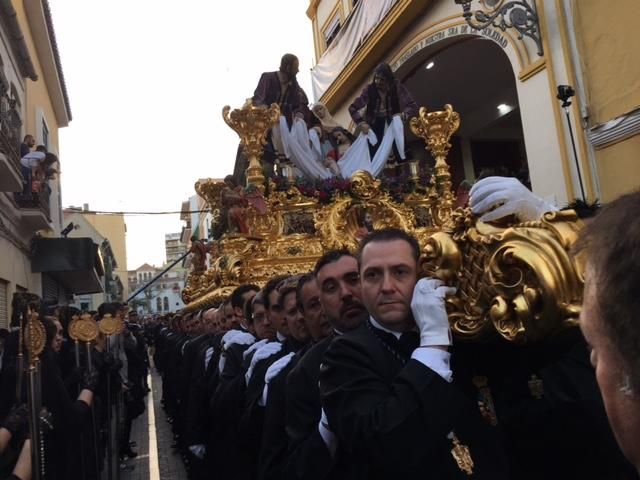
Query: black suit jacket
[[393, 417], [308, 457]]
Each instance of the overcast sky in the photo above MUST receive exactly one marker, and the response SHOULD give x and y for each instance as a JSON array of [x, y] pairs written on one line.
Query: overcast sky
[[147, 80]]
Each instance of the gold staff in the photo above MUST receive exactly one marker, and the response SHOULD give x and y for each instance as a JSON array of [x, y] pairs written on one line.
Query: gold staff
[[35, 339], [85, 329], [110, 326]]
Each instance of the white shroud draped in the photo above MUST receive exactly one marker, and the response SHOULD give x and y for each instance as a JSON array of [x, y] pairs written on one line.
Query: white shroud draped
[[302, 147]]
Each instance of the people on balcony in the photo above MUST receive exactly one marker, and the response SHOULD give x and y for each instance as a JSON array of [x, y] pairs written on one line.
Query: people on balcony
[[37, 168], [27, 144]]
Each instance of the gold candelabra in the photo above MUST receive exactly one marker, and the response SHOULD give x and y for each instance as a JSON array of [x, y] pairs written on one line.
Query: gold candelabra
[[436, 129], [252, 123]]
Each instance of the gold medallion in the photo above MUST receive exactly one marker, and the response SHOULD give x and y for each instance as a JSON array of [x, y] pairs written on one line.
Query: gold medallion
[[108, 325], [35, 337], [87, 329]]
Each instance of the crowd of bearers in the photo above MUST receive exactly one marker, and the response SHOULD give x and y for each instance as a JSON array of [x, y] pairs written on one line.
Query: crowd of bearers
[[77, 392], [350, 372]]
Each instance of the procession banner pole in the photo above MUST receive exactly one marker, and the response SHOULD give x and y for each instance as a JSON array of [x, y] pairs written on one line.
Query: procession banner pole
[[35, 339], [154, 279]]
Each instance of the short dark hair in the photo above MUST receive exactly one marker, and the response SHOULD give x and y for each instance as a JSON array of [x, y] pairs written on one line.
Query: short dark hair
[[271, 285], [286, 61], [288, 285], [108, 309], [41, 148], [248, 308], [612, 245], [330, 257], [236, 295], [304, 279], [389, 235]]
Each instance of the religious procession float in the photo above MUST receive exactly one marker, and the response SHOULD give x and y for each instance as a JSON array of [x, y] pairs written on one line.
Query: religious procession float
[[518, 281]]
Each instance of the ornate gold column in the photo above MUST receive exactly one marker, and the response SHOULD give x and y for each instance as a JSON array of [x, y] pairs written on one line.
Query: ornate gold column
[[436, 128], [252, 123]]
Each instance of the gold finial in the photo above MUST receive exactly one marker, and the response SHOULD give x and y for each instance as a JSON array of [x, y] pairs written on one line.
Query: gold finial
[[35, 337], [436, 128], [252, 123]]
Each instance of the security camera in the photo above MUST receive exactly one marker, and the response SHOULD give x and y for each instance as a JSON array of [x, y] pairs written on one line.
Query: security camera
[[565, 92]]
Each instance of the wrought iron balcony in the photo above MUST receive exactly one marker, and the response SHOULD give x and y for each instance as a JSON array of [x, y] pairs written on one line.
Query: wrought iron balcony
[[10, 172], [36, 207]]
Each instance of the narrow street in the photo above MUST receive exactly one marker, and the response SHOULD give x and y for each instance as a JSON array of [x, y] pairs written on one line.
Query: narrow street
[[152, 433]]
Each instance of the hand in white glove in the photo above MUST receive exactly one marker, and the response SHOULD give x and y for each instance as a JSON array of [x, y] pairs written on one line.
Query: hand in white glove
[[254, 347], [275, 368], [264, 352], [329, 438], [227, 337], [430, 313], [509, 196], [240, 338], [198, 450]]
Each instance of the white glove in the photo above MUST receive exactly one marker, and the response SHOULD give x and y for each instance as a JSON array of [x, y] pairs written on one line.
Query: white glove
[[198, 450], [510, 196], [264, 352], [254, 347], [227, 337], [275, 368], [241, 338], [329, 438], [430, 313]]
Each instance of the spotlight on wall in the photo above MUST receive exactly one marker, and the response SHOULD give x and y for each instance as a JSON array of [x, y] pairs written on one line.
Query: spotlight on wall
[[430, 65], [503, 108]]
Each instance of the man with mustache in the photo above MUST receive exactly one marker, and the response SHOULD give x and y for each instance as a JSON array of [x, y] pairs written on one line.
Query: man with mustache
[[386, 387], [312, 447]]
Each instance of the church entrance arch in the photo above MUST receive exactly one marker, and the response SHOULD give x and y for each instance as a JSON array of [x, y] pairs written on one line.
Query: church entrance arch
[[474, 74]]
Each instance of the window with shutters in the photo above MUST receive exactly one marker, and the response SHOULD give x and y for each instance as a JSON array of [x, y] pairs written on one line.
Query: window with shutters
[[4, 304]]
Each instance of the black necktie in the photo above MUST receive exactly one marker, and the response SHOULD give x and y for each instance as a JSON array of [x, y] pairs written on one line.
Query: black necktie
[[408, 342]]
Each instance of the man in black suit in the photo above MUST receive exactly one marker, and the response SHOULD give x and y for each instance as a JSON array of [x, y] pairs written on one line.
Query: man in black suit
[[338, 291], [386, 387]]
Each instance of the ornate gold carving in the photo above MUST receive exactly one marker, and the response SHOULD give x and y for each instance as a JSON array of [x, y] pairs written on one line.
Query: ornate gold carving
[[252, 123], [515, 281], [83, 329], [462, 455], [338, 222], [436, 128], [520, 281], [35, 337]]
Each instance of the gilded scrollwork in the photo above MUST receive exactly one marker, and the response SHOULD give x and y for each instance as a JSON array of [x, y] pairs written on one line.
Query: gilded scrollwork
[[515, 281], [340, 223]]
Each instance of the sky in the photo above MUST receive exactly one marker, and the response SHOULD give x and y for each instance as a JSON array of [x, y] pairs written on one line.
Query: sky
[[147, 81]]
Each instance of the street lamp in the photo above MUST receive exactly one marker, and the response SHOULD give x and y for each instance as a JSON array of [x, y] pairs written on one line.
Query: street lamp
[[565, 93], [500, 14]]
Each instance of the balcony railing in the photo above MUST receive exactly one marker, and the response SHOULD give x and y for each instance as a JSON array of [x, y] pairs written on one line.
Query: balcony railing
[[9, 147], [36, 200]]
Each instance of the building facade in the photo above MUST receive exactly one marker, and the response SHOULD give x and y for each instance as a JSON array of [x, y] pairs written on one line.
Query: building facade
[[112, 285], [504, 87], [114, 228], [173, 246], [34, 100], [163, 296]]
